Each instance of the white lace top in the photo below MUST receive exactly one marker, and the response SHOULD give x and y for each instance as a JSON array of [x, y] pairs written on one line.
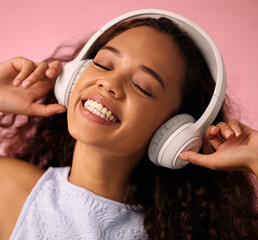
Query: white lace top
[[57, 209]]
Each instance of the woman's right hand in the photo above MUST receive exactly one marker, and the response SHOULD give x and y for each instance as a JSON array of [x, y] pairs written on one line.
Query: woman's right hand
[[236, 148], [23, 83]]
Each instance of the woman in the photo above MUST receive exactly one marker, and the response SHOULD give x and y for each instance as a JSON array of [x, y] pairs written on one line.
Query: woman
[[108, 156]]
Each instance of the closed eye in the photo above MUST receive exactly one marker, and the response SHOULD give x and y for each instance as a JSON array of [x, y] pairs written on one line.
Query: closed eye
[[135, 84], [141, 89], [101, 66]]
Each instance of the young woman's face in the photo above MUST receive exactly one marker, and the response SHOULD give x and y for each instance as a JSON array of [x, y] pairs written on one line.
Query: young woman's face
[[134, 85]]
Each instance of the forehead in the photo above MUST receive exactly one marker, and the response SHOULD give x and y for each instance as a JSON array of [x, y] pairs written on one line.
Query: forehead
[[152, 48], [144, 37]]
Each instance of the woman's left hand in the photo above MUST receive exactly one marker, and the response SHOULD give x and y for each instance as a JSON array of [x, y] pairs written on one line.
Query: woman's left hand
[[236, 148], [23, 83]]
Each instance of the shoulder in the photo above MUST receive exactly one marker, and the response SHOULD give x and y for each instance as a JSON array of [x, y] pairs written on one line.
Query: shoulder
[[16, 172], [17, 179]]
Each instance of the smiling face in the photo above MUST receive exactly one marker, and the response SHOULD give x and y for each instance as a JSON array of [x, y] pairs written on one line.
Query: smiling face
[[134, 84]]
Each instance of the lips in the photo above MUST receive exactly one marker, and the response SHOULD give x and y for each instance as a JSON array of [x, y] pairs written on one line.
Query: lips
[[101, 108]]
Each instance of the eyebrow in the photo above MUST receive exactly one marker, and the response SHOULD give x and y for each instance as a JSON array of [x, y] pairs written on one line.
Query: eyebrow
[[152, 73], [142, 67], [113, 50]]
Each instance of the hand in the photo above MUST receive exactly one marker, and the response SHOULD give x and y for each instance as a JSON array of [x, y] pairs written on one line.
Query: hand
[[236, 148], [23, 83]]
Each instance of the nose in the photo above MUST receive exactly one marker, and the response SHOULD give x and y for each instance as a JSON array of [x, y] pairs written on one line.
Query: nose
[[112, 85]]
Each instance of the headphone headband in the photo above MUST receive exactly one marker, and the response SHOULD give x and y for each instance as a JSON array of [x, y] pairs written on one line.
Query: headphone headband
[[187, 136], [202, 39]]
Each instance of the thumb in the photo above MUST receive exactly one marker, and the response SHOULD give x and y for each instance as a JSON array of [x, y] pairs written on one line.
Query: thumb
[[204, 160], [37, 109]]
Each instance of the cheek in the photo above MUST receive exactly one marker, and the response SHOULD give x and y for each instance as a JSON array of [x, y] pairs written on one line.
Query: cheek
[[142, 121], [145, 120], [75, 123], [72, 122]]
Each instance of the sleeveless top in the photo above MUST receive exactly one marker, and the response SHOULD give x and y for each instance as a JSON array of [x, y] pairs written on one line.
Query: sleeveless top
[[57, 209]]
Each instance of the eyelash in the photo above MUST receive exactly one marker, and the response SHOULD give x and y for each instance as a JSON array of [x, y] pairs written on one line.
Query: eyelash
[[142, 90], [101, 66], [135, 84]]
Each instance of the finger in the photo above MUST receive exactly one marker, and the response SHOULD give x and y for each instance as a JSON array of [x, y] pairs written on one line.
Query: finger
[[25, 67], [212, 132], [206, 146], [37, 75], [54, 69], [213, 161], [235, 126], [42, 110], [213, 137], [225, 130], [204, 160]]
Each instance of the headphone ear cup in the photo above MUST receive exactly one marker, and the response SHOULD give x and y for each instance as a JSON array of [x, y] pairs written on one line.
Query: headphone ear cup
[[68, 78], [164, 132], [78, 74]]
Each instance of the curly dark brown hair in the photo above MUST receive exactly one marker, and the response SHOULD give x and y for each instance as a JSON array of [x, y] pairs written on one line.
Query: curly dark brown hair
[[190, 203]]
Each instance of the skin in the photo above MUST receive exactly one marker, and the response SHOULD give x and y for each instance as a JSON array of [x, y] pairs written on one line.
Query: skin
[[236, 148], [105, 155], [22, 99]]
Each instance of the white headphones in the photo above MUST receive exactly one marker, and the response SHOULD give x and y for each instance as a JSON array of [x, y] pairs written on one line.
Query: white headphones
[[180, 133]]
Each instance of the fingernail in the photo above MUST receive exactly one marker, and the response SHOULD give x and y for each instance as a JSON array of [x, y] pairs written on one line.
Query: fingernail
[[26, 83], [183, 156], [228, 134], [237, 133], [213, 129], [16, 82], [60, 111], [51, 73]]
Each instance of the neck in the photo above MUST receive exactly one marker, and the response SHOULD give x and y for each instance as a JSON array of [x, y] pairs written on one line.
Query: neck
[[103, 173]]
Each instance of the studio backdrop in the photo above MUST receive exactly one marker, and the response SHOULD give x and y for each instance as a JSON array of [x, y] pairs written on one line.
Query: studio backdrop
[[34, 29]]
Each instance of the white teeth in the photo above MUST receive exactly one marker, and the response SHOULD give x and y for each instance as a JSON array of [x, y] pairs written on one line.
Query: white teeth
[[99, 106], [94, 104], [95, 111], [109, 114], [99, 110], [104, 110]]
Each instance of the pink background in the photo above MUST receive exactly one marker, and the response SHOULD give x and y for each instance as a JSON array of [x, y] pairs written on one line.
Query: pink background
[[34, 28]]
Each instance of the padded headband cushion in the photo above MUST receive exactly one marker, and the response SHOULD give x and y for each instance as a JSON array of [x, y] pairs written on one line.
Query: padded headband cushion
[[81, 70]]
